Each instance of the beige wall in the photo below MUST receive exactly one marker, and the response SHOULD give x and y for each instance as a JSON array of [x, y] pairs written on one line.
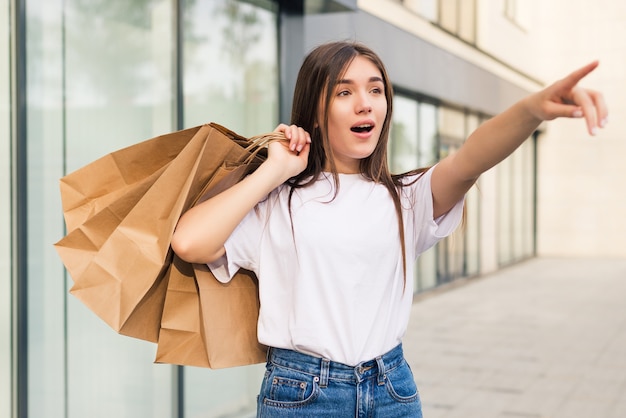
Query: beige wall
[[582, 179], [582, 192]]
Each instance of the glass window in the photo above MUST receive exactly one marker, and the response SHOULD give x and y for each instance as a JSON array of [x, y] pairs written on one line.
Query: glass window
[[472, 212], [428, 155], [518, 208], [518, 12], [414, 143], [428, 9], [504, 213], [119, 75], [451, 130], [427, 269], [428, 131], [5, 212], [102, 76], [467, 20], [516, 205], [46, 280], [230, 65], [528, 149], [101, 82], [451, 249], [449, 15], [403, 142], [230, 77]]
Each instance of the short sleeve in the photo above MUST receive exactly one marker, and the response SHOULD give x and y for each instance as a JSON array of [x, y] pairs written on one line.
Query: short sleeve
[[242, 248], [427, 231]]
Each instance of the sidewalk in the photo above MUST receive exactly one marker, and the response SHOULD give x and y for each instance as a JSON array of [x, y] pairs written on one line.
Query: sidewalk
[[543, 339]]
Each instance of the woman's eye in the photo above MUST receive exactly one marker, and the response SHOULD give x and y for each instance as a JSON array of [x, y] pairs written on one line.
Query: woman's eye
[[343, 93], [377, 90]]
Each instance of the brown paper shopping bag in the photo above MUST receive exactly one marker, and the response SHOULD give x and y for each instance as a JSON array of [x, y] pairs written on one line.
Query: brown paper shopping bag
[[230, 341], [93, 187], [181, 336], [206, 323], [121, 211]]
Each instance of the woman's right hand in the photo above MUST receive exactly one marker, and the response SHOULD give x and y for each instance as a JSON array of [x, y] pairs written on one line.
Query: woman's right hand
[[291, 156], [202, 231]]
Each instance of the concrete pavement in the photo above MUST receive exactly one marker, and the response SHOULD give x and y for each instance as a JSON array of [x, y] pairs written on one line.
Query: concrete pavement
[[545, 338]]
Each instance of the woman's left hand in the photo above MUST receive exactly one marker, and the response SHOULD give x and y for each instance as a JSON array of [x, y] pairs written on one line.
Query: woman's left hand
[[565, 98]]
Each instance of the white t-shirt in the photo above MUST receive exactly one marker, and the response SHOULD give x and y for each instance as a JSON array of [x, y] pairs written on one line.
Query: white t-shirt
[[333, 286]]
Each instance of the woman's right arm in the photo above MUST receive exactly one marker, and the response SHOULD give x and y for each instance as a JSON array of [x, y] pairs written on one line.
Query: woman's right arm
[[202, 231]]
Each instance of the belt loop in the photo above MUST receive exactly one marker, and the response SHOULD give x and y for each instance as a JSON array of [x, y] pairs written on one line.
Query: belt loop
[[324, 372], [381, 371], [268, 354]]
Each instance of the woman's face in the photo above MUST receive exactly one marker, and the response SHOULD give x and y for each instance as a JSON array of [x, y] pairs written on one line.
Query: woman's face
[[356, 114]]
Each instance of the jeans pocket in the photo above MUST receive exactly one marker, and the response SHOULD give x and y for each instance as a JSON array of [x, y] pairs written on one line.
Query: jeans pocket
[[401, 384], [286, 388]]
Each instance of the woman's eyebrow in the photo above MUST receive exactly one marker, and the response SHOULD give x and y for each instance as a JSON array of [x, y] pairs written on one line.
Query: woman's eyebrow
[[371, 80]]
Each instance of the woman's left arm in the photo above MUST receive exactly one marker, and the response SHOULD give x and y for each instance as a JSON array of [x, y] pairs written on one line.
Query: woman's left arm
[[498, 137]]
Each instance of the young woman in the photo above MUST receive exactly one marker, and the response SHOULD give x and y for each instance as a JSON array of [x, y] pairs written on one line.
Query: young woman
[[332, 235]]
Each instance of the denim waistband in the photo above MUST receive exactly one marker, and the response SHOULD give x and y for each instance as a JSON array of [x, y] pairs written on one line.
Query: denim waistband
[[324, 369]]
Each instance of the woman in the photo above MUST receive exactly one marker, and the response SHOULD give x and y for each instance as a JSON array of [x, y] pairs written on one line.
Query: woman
[[332, 235]]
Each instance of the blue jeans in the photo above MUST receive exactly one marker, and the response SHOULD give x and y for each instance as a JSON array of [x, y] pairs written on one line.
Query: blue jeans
[[299, 385]]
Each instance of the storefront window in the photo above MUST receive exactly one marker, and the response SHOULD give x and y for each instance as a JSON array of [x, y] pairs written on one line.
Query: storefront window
[[516, 218], [505, 203], [118, 77], [46, 279], [230, 65], [230, 77], [101, 76], [528, 217], [472, 212], [5, 212], [523, 213], [449, 15], [428, 9], [404, 135], [467, 20], [428, 131], [452, 133], [428, 156]]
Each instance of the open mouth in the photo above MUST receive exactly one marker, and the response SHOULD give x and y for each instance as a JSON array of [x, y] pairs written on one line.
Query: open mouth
[[362, 128]]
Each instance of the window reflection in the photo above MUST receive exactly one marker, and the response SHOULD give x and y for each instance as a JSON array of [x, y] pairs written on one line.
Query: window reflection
[[5, 216], [119, 72], [428, 143], [404, 135], [472, 211], [118, 88], [505, 201], [230, 70], [428, 9], [455, 16], [230, 77]]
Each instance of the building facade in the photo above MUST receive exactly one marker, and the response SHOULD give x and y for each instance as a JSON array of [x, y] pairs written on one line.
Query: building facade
[[79, 79]]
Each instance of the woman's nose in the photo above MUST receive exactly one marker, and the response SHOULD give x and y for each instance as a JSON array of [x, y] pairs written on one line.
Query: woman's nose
[[364, 105]]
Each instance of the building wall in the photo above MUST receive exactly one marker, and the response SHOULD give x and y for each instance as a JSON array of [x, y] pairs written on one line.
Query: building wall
[[581, 199], [579, 202]]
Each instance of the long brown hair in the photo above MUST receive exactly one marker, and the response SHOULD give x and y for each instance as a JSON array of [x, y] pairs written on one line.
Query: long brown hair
[[313, 95]]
